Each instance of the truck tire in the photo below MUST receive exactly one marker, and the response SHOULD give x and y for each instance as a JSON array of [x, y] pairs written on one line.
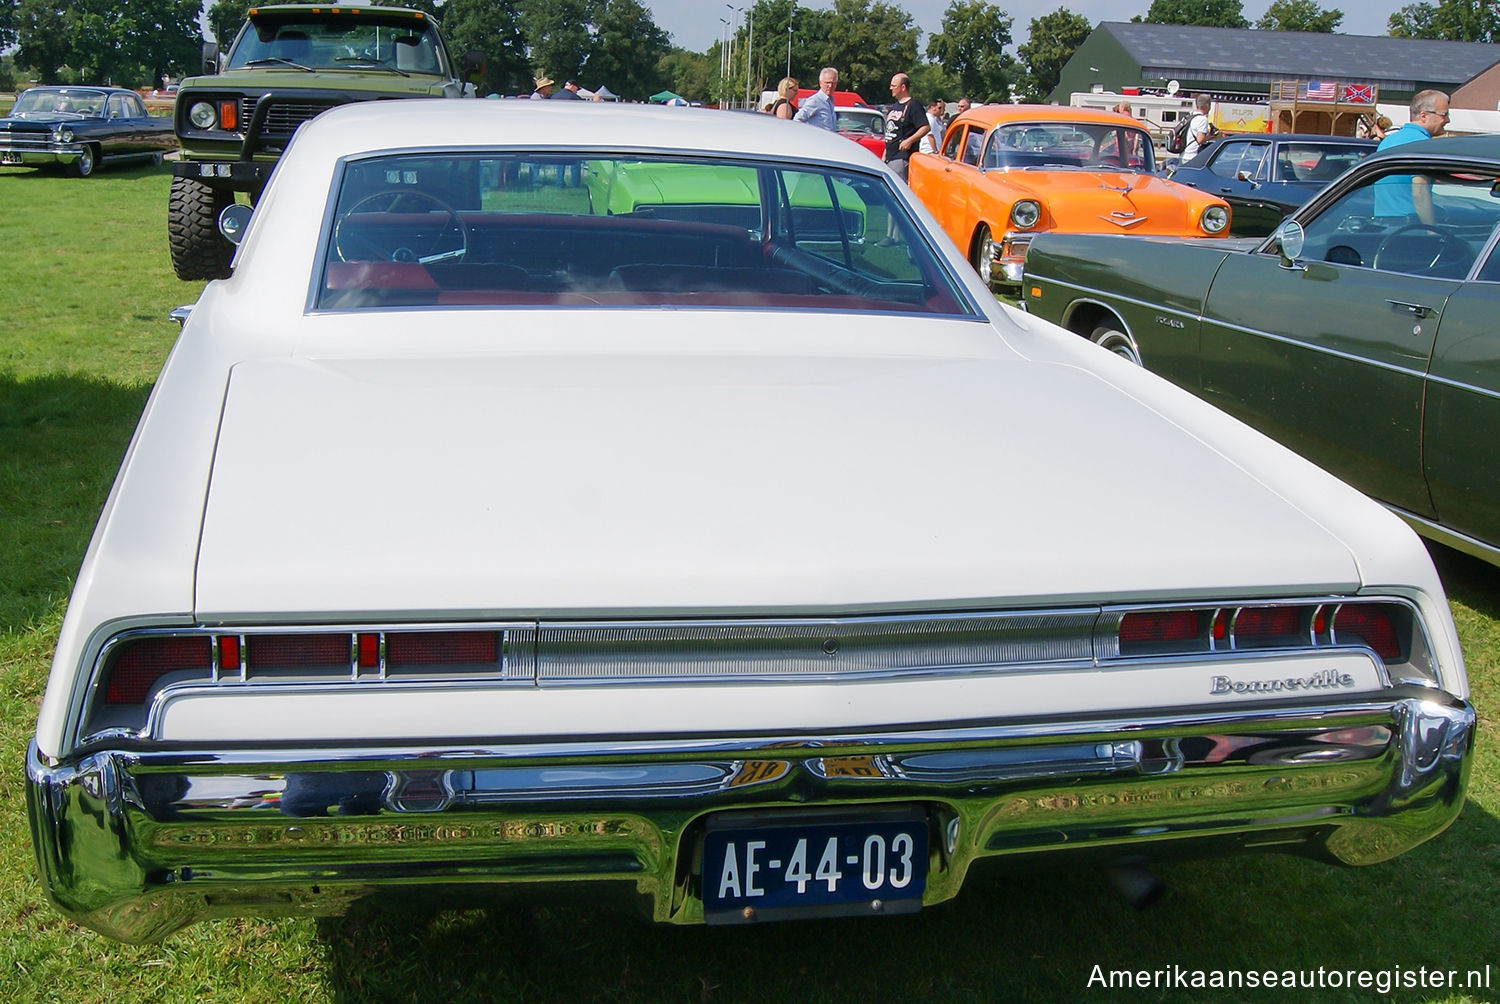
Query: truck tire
[[198, 250]]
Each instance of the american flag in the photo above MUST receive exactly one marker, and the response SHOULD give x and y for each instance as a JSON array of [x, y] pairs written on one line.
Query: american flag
[[1320, 90]]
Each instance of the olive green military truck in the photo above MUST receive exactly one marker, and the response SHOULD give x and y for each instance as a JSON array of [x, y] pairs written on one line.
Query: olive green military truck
[[288, 63]]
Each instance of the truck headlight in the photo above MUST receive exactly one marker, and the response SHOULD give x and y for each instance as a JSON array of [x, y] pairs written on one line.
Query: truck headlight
[[202, 115], [1215, 219]]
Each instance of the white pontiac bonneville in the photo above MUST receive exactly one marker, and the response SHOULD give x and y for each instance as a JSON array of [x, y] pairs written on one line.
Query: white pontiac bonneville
[[655, 499]]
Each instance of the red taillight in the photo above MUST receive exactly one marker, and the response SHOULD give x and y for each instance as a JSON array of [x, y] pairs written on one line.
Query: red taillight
[[1372, 624], [430, 648], [142, 663], [369, 651], [1263, 622], [229, 653], [298, 651], [1154, 627]]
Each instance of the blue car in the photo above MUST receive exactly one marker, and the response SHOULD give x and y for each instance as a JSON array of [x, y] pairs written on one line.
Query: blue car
[[80, 128], [1265, 176]]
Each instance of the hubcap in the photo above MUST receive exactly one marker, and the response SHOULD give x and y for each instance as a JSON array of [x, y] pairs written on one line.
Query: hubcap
[[986, 263]]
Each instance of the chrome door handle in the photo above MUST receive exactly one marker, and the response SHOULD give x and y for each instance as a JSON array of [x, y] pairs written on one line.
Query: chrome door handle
[[1414, 309]]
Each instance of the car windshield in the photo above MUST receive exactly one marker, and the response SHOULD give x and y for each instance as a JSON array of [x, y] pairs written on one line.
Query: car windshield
[[1317, 162], [1068, 145], [40, 102], [864, 122], [589, 230], [368, 42]]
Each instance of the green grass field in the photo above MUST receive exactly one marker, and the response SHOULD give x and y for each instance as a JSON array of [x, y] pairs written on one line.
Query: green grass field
[[87, 287]]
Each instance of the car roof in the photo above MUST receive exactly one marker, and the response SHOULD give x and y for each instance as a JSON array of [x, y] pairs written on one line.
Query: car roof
[[1481, 147], [77, 89], [991, 115], [373, 126]]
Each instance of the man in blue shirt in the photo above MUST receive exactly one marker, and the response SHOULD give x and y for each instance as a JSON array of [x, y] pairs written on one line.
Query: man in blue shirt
[[1408, 196], [818, 108]]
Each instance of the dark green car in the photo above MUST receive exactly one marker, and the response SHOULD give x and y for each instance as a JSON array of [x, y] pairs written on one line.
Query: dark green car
[[1365, 333]]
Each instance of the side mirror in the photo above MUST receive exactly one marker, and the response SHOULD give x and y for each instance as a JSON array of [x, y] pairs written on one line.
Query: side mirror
[[233, 221], [474, 66], [1290, 239], [210, 62]]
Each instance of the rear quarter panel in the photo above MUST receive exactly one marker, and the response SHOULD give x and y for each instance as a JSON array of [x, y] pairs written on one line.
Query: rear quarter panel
[[1152, 288]]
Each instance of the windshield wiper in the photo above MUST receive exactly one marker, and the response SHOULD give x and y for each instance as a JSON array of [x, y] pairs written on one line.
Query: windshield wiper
[[281, 60], [370, 63]]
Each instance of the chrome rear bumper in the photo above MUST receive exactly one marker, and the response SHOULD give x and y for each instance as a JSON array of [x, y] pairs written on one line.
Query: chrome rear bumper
[[136, 844]]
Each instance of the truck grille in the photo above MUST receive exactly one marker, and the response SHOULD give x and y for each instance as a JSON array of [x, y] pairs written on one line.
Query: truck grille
[[283, 117]]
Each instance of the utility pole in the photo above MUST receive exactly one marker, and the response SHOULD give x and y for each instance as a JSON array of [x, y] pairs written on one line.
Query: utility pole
[[749, 56], [789, 14]]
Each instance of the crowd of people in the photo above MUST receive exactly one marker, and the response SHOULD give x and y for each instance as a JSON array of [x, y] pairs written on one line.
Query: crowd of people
[[909, 125]]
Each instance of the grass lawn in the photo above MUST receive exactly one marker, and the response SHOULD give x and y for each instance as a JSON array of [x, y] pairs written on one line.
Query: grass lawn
[[88, 285]]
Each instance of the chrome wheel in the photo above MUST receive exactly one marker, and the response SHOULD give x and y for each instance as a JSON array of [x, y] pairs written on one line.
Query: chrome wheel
[[984, 254], [84, 165], [1109, 337]]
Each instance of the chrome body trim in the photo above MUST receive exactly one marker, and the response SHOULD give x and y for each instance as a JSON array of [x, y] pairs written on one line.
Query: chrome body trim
[[173, 835], [1116, 297], [1448, 536]]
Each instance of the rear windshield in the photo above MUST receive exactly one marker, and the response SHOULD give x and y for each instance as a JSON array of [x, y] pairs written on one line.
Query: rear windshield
[[464, 229]]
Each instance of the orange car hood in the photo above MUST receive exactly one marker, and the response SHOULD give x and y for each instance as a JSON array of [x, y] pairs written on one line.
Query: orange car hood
[[1079, 200]]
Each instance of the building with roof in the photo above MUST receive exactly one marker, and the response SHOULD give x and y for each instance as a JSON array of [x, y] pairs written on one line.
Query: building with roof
[[1120, 55]]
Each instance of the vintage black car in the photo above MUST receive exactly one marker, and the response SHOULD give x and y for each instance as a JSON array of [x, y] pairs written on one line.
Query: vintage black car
[[1264, 177], [80, 128], [1362, 334]]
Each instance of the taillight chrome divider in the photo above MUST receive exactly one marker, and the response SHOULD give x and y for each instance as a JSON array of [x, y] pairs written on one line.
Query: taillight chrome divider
[[553, 653], [1404, 653]]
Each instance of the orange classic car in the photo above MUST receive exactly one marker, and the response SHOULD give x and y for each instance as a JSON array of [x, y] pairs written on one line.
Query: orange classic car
[[1009, 172]]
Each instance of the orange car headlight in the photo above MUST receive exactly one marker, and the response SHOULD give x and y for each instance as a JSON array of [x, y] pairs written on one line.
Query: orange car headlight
[[1025, 213]]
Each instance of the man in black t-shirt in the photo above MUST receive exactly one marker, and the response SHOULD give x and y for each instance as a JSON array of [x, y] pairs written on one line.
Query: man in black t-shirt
[[905, 125]]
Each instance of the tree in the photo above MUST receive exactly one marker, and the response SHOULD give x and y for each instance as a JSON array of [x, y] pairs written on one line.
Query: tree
[[225, 18], [868, 43], [1453, 20], [971, 47], [494, 28], [1299, 15], [1050, 42], [127, 42], [7, 24], [689, 73], [627, 49], [43, 35], [557, 35], [1208, 13]]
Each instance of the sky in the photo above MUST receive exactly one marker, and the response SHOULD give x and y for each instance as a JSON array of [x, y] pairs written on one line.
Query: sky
[[694, 24]]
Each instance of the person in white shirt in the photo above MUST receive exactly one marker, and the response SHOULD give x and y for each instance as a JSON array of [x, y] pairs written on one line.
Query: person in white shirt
[[818, 108], [1198, 128], [933, 141]]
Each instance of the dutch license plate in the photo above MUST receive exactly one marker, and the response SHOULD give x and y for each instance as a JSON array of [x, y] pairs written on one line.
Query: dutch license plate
[[768, 867], [10, 158]]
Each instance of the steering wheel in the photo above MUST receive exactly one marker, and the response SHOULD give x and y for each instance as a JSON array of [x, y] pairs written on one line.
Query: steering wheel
[[1398, 252], [372, 237]]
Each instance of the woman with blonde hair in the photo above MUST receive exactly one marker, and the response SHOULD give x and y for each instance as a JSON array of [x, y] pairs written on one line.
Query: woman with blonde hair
[[786, 94]]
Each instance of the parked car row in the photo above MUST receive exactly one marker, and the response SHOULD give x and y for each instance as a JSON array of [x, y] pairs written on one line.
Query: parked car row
[[698, 530], [1360, 333]]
